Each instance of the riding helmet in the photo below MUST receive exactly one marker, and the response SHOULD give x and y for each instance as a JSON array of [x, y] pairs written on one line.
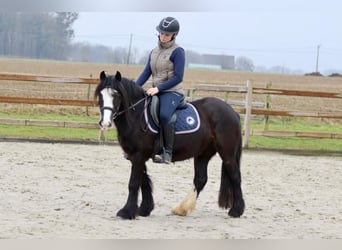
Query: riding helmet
[[168, 25]]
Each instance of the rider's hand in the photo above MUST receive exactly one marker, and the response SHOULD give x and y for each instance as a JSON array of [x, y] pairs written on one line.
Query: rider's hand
[[152, 91]]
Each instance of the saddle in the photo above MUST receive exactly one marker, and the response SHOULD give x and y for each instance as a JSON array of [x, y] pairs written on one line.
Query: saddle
[[186, 117], [154, 110]]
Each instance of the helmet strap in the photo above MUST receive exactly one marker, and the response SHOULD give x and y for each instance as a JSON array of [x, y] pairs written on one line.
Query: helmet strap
[[173, 36]]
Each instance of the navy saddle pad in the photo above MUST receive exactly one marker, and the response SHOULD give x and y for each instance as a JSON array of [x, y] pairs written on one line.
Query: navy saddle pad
[[188, 120]]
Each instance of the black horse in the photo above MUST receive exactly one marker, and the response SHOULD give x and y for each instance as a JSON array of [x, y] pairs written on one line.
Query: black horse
[[121, 100]]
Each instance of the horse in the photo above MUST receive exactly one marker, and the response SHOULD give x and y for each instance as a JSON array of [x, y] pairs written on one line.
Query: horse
[[123, 102]]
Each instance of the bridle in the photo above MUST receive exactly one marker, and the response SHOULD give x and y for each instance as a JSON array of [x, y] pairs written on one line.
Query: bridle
[[116, 112]]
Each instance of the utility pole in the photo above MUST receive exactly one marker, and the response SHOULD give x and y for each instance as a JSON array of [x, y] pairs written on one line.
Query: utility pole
[[129, 49], [318, 47]]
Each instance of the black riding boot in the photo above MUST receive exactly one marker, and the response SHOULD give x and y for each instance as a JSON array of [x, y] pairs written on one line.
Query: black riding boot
[[169, 136]]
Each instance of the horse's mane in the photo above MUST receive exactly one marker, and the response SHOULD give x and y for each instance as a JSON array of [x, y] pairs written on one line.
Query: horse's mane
[[132, 89], [130, 93]]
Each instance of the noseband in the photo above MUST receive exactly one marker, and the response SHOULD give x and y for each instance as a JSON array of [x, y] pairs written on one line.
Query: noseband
[[115, 113]]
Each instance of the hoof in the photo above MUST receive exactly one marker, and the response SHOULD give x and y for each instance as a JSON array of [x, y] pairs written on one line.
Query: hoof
[[237, 211], [126, 214], [187, 205], [179, 210], [234, 214], [145, 211]]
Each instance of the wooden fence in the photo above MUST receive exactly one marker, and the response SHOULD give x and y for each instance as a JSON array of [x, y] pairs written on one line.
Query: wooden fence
[[249, 107], [253, 108]]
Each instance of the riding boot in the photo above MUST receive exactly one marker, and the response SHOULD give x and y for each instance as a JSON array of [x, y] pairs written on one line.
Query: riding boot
[[169, 135]]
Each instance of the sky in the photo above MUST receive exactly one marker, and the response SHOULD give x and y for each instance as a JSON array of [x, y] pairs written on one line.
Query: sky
[[290, 34], [286, 33]]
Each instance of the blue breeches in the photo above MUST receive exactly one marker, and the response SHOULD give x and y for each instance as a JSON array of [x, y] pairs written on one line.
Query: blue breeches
[[168, 103]]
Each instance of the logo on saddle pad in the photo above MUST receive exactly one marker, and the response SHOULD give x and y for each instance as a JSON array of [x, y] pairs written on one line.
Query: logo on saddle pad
[[187, 119]]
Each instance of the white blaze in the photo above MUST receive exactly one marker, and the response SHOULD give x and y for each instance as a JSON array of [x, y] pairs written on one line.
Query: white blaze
[[107, 95]]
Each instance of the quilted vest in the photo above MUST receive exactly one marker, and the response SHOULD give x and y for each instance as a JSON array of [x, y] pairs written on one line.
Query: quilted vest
[[162, 67]]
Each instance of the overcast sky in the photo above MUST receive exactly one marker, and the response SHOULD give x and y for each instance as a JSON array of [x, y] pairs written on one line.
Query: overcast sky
[[286, 33]]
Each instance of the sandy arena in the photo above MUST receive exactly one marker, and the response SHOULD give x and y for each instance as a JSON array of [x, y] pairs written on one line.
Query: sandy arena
[[53, 191]]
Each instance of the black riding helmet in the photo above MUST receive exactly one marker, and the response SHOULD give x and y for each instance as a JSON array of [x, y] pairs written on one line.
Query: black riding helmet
[[168, 25]]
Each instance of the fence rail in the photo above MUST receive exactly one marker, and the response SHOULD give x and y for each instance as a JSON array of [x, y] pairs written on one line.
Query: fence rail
[[7, 99], [28, 122], [296, 93], [35, 78], [250, 107], [296, 134]]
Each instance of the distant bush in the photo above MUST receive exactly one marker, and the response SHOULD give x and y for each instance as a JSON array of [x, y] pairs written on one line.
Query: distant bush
[[335, 75], [313, 74]]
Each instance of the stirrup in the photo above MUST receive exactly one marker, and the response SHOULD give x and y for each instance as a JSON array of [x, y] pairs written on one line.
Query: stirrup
[[158, 159], [167, 158], [162, 158]]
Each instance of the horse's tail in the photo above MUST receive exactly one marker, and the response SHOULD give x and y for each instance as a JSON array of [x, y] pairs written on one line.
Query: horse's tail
[[226, 197]]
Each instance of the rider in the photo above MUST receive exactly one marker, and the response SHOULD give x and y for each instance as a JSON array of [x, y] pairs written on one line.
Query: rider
[[166, 64]]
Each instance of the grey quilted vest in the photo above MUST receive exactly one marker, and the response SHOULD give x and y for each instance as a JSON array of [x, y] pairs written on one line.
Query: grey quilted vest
[[161, 65]]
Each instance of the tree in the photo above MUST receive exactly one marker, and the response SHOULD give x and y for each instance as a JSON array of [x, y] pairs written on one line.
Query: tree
[[99, 53], [280, 70], [143, 59], [37, 35], [62, 22], [243, 63]]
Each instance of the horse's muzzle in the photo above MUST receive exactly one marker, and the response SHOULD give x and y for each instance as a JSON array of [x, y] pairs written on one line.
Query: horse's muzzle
[[106, 117], [105, 125]]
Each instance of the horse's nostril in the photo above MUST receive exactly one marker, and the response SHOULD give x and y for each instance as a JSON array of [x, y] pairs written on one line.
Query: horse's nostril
[[106, 124]]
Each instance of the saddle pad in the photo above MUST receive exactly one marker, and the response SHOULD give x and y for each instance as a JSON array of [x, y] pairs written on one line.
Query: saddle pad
[[187, 120]]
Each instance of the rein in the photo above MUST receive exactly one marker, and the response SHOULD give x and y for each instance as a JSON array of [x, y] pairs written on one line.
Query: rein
[[117, 113]]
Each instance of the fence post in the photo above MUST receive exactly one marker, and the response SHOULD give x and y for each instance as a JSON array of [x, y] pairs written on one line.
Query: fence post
[[88, 95], [191, 93], [226, 96], [248, 114], [267, 106]]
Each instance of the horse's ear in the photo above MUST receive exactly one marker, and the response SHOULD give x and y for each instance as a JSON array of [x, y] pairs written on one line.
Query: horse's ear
[[103, 75], [118, 76]]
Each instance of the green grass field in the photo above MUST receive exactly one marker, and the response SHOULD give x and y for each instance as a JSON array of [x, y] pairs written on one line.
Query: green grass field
[[91, 134]]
